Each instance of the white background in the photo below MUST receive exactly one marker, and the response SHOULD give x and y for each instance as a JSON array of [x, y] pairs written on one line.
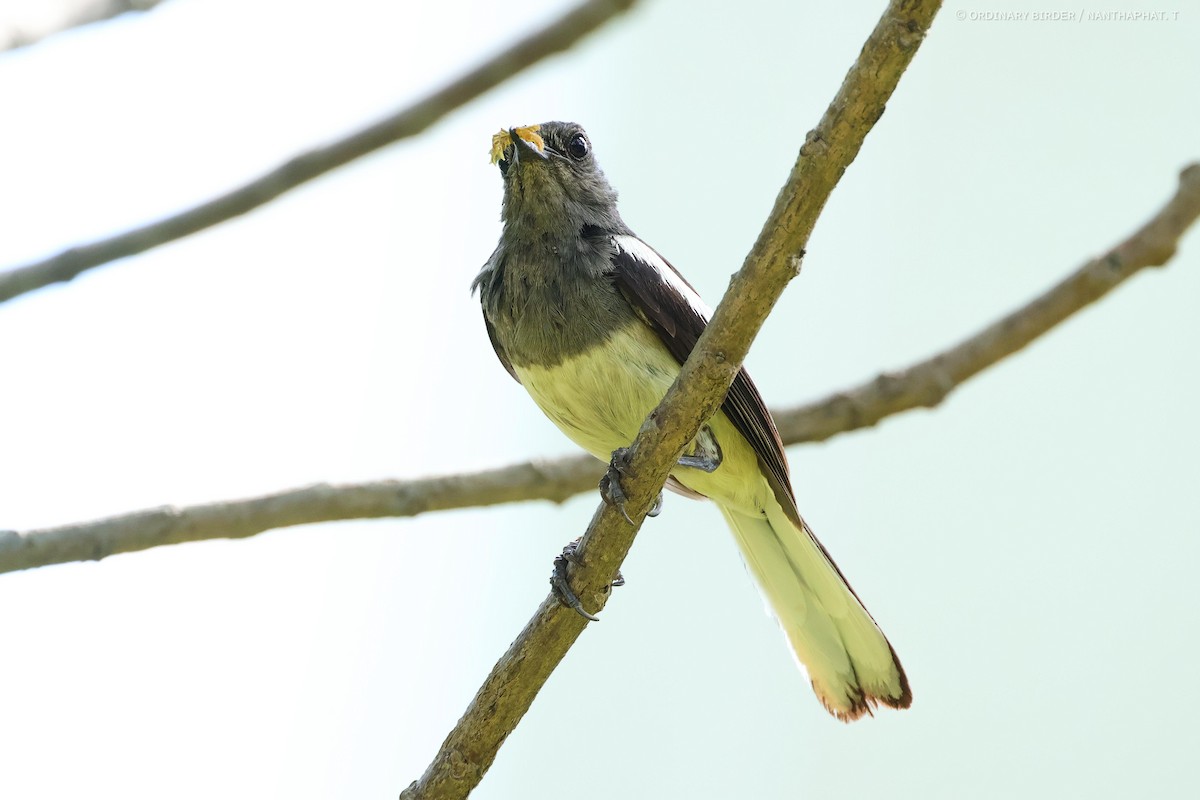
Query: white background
[[1029, 547]]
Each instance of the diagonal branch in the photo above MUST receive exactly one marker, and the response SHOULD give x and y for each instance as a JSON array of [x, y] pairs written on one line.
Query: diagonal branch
[[921, 385], [555, 37], [509, 690]]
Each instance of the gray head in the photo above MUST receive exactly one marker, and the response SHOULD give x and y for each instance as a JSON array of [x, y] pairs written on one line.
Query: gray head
[[553, 187], [545, 289]]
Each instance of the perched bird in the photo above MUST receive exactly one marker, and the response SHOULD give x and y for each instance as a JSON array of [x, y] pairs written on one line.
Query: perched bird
[[595, 324]]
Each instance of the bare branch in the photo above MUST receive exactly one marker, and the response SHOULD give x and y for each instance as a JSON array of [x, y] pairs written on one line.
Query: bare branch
[[922, 385], [51, 18], [236, 519], [555, 37], [926, 383], [697, 393]]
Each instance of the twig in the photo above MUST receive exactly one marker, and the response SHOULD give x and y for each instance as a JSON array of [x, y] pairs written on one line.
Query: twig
[[555, 37], [695, 396], [922, 385], [71, 15]]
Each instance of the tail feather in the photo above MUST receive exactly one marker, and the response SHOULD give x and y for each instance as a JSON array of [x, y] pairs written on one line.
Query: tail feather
[[849, 660]]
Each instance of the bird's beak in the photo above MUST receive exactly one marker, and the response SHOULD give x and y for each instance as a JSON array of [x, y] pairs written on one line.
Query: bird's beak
[[523, 148]]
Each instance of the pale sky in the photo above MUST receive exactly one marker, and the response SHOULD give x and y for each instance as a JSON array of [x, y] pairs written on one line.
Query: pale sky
[[1029, 546]]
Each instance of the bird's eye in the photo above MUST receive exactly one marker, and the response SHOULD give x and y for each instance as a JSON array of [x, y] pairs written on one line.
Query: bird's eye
[[504, 164], [578, 147]]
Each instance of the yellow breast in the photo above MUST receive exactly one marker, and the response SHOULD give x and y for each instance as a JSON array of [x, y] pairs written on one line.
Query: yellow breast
[[599, 398]]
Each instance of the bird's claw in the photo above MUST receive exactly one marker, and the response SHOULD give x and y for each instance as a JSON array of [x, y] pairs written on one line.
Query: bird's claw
[[610, 482], [656, 509], [561, 585]]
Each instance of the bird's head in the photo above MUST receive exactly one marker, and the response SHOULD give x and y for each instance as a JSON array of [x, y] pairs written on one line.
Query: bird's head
[[552, 183]]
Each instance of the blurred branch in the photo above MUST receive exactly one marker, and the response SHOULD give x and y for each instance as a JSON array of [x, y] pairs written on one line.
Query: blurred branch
[[555, 37], [926, 383], [236, 519], [695, 396], [922, 385], [50, 18]]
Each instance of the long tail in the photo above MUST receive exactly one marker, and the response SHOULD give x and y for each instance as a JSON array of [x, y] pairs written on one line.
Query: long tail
[[849, 660]]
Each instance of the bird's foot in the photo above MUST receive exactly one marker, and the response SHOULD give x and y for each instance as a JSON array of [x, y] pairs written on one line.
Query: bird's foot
[[610, 483], [706, 456], [561, 585], [614, 494]]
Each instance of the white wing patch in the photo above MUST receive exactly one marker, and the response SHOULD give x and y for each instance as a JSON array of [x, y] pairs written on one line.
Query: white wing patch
[[631, 245]]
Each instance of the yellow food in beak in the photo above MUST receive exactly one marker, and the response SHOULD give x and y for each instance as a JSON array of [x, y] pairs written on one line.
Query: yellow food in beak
[[502, 140]]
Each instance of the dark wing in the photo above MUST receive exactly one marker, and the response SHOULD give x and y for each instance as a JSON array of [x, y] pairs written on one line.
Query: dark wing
[[498, 348], [674, 310], [489, 283]]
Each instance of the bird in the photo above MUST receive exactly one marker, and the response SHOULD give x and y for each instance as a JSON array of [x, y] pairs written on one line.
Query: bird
[[595, 324]]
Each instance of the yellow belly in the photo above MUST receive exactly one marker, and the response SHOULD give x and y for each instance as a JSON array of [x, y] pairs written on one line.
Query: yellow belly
[[600, 398]]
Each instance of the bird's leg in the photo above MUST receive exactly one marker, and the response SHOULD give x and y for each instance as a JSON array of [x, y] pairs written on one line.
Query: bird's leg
[[561, 584], [706, 455]]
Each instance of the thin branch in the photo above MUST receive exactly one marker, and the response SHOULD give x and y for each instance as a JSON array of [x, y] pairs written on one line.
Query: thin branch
[[922, 385], [554, 480], [697, 393], [926, 383], [555, 37], [63, 16]]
